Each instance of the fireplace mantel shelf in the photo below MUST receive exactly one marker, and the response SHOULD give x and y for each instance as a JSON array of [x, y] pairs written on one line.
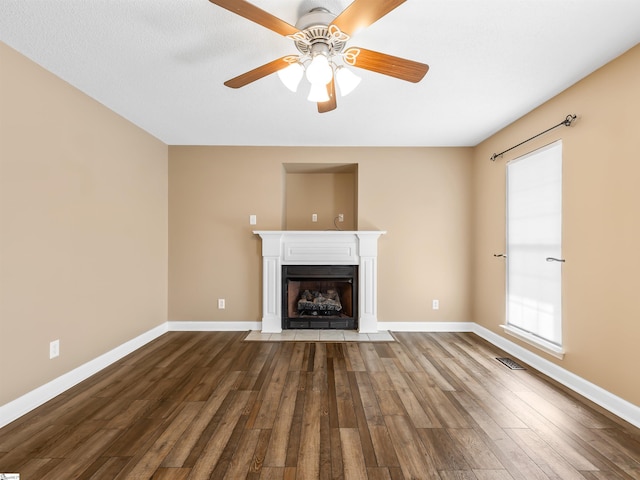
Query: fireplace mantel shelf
[[319, 247]]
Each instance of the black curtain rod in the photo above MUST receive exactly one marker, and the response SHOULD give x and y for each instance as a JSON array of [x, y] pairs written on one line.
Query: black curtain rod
[[566, 122]]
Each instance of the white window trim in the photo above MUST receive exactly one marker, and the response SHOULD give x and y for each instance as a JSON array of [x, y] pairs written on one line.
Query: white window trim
[[535, 341]]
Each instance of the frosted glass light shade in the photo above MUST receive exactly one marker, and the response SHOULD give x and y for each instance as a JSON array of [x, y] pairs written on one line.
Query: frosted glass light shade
[[318, 93], [347, 80], [319, 71], [291, 76]]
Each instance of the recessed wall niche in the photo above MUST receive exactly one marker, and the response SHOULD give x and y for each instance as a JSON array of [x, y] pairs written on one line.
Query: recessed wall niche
[[324, 189]]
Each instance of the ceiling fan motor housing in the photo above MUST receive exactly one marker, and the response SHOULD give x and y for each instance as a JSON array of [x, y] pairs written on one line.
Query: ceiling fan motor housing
[[317, 38]]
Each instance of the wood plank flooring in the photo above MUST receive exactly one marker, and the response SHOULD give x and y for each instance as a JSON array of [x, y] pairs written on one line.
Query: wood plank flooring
[[201, 405]]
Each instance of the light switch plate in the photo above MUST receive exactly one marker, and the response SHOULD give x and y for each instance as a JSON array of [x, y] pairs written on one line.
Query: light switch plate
[[54, 349]]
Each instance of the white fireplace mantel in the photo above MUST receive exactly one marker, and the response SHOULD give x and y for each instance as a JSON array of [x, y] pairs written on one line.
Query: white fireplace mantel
[[332, 247]]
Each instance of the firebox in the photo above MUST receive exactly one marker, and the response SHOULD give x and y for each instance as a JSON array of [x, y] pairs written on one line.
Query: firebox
[[320, 297]]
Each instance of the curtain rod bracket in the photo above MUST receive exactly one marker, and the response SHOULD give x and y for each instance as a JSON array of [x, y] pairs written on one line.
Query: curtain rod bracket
[[566, 122]]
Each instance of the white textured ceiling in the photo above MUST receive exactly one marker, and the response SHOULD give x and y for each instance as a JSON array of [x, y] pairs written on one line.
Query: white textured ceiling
[[161, 64]]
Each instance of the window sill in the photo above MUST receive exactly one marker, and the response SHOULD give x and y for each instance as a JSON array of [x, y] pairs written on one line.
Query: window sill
[[534, 341]]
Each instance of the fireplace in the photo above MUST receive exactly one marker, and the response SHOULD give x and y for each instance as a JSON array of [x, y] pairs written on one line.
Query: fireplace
[[332, 249], [319, 297]]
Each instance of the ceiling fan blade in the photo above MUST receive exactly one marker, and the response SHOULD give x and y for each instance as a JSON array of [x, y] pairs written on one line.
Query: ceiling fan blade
[[257, 15], [387, 64], [258, 73], [362, 13], [331, 104]]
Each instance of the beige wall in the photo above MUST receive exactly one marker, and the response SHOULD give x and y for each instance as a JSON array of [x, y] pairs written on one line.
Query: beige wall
[[601, 223], [325, 194], [83, 227], [421, 196]]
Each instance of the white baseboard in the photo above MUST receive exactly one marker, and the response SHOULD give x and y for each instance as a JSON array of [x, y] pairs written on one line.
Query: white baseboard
[[616, 405], [178, 326], [426, 326], [29, 401]]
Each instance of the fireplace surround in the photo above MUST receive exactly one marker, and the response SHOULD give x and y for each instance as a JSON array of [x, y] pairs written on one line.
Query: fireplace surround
[[328, 248]]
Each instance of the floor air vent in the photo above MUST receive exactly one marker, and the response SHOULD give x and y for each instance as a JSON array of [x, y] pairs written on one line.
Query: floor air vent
[[510, 363]]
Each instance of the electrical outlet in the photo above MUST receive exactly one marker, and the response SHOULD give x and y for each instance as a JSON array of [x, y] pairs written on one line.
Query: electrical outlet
[[221, 304], [54, 349], [252, 220], [436, 304], [341, 217], [314, 217]]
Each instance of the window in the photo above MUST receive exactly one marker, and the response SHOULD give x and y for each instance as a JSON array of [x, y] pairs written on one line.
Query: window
[[534, 247]]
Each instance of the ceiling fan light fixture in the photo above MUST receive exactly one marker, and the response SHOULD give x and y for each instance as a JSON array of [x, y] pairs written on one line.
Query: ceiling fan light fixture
[[321, 37], [347, 80], [318, 93], [319, 70], [291, 75]]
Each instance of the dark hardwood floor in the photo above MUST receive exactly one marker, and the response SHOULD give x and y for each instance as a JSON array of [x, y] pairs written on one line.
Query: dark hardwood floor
[[209, 405]]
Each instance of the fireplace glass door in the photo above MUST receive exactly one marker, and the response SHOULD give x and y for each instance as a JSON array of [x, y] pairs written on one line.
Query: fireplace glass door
[[319, 297]]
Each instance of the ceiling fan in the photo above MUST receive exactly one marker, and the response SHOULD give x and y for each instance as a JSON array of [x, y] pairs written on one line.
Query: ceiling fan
[[321, 36]]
